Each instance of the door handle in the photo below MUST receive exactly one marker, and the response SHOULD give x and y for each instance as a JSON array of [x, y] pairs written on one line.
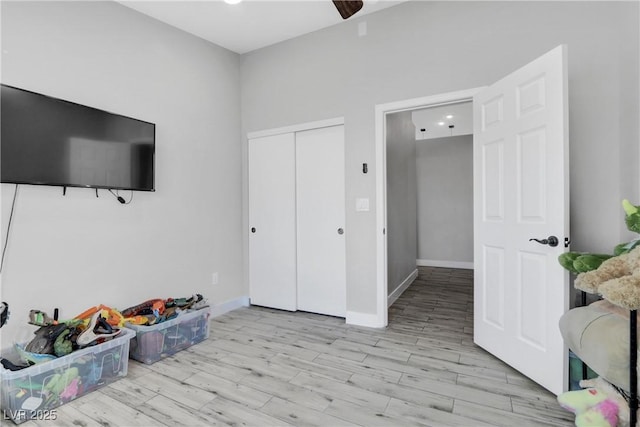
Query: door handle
[[253, 229], [340, 230], [551, 241]]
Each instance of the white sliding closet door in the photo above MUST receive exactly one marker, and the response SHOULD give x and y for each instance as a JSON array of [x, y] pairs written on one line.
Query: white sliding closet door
[[320, 206], [272, 221]]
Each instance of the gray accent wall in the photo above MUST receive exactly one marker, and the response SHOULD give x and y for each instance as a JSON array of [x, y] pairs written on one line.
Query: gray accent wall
[[401, 199], [445, 198], [78, 251], [423, 48]]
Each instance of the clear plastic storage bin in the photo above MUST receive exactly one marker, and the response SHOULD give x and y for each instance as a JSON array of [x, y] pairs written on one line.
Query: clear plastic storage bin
[[35, 392], [156, 342]]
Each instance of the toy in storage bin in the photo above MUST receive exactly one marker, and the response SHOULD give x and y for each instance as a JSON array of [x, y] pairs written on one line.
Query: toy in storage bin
[[35, 391], [156, 342]]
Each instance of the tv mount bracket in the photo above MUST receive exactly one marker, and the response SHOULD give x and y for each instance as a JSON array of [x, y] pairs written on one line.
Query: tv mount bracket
[[64, 191]]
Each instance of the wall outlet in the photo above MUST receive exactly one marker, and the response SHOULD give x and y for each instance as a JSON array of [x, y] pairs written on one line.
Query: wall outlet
[[214, 278]]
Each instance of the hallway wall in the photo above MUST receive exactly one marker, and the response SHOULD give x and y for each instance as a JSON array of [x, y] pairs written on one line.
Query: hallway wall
[[401, 199], [444, 169]]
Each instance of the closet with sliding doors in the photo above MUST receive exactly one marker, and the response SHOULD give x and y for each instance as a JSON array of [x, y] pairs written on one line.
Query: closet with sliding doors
[[296, 219]]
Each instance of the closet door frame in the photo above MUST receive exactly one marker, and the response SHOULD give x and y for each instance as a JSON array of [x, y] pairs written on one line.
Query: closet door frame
[[336, 121]]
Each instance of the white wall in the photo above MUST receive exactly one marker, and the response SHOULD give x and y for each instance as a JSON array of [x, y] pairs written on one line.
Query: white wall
[[401, 199], [77, 251], [445, 199], [424, 48]]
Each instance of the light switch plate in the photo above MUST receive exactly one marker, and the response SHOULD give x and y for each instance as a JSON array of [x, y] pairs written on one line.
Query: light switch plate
[[362, 205]]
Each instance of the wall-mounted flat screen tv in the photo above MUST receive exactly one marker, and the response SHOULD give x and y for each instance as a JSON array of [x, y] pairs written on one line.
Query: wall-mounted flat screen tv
[[49, 141]]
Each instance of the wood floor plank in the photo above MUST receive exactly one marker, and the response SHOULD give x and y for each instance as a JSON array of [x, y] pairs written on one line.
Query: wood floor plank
[[336, 373], [458, 391], [401, 392], [359, 415], [421, 415], [171, 367], [191, 397], [225, 323], [165, 411], [454, 345], [259, 367], [380, 363], [388, 335], [364, 367], [498, 417], [444, 365], [236, 347], [485, 360], [64, 416], [234, 414], [287, 391], [346, 390], [230, 390], [108, 411], [504, 388], [277, 346], [302, 416], [344, 353], [136, 369], [393, 353], [356, 334], [128, 391], [541, 409], [437, 353], [212, 366]]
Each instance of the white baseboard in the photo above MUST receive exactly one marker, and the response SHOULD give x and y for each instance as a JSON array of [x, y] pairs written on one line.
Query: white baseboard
[[445, 264], [403, 287], [363, 319], [225, 307]]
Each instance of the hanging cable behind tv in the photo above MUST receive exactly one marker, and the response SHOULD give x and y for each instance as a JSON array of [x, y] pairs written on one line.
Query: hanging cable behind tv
[[6, 238], [120, 198]]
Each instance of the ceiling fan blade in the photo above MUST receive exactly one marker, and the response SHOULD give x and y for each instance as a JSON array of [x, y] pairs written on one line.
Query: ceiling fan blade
[[348, 8]]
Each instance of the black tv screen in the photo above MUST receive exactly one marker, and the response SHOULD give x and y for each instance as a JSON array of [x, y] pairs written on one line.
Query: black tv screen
[[49, 141]]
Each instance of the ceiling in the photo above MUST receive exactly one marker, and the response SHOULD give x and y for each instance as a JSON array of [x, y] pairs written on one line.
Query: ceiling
[[252, 24], [436, 121]]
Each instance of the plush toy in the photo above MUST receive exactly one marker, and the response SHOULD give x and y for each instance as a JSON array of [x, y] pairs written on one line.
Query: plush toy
[[597, 405], [604, 414], [582, 262], [616, 279]]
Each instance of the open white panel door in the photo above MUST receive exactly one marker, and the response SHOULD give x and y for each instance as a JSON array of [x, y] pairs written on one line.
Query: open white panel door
[[521, 192]]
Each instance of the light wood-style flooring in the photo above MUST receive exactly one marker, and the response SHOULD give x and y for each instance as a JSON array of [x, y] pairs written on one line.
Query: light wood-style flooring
[[264, 367]]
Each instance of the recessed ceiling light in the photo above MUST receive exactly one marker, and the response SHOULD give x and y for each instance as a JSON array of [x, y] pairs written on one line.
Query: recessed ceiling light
[[232, 1], [440, 123], [450, 116]]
